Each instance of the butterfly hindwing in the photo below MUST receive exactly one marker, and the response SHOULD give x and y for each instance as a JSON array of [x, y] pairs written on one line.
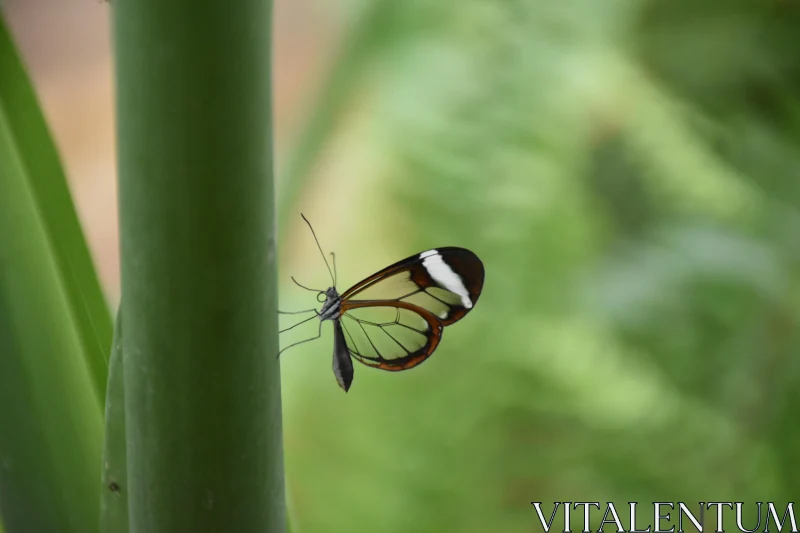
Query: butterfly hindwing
[[391, 335]]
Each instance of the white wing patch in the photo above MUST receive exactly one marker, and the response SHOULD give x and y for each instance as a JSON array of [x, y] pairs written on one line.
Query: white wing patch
[[444, 275]]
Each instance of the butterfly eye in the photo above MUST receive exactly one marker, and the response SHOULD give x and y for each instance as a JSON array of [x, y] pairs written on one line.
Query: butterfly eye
[[321, 297]]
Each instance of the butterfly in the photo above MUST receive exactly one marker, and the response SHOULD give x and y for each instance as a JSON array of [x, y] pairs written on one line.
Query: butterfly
[[394, 319]]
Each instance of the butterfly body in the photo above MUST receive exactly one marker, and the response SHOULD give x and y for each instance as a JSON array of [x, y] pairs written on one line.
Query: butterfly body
[[331, 308], [342, 363], [394, 319]]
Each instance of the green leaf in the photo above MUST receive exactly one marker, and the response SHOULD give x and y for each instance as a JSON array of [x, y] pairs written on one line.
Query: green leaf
[[47, 186], [54, 328], [114, 491]]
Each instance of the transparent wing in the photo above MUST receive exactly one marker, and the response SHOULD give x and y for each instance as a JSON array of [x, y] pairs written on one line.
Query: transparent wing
[[447, 282], [389, 335]]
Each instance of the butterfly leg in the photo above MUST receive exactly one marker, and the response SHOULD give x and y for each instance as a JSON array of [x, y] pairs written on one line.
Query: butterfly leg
[[295, 312], [319, 334], [301, 322]]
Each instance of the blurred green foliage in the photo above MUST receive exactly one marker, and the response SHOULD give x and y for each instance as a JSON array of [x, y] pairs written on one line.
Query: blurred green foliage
[[626, 171]]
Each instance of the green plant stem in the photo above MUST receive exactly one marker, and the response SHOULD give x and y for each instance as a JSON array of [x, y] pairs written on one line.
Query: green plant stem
[[202, 384]]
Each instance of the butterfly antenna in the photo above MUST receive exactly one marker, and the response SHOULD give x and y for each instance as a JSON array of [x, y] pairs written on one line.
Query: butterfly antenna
[[320, 248], [335, 274], [304, 287]]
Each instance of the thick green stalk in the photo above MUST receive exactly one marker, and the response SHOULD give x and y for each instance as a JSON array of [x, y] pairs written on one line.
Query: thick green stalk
[[202, 384]]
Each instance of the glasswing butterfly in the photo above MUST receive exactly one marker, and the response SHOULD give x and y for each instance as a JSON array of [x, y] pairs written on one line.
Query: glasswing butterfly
[[393, 320]]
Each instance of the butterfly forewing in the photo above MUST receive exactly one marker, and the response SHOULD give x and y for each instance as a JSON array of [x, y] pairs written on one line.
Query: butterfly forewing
[[446, 282]]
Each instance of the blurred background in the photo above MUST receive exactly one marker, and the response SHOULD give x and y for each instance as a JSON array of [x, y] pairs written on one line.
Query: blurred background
[[628, 172]]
